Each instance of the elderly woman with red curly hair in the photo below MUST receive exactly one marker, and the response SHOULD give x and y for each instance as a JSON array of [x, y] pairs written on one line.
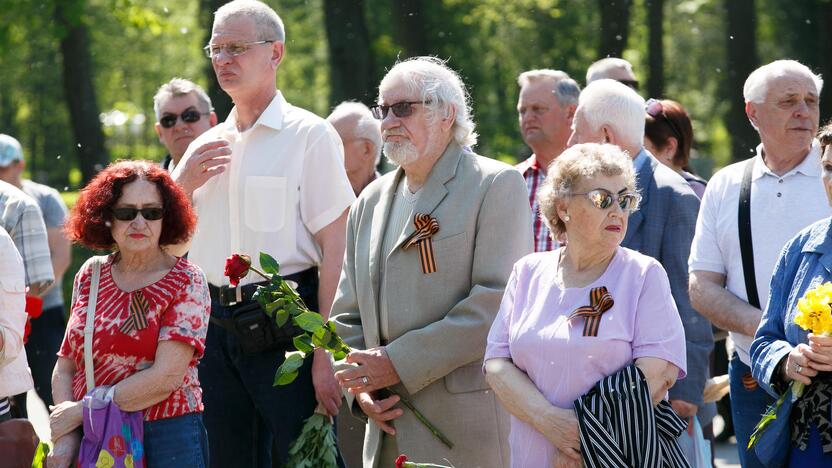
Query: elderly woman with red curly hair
[[150, 320]]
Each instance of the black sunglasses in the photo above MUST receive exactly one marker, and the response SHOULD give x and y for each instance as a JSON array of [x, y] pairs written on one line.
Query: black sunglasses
[[655, 109], [129, 214], [189, 116], [631, 83], [400, 109]]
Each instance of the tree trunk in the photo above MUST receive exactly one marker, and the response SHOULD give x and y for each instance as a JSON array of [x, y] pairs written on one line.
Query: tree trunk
[[824, 45], [615, 27], [741, 23], [350, 55], [219, 99], [411, 27], [79, 88], [655, 54]]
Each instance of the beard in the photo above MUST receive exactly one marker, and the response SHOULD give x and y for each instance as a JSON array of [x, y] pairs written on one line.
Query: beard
[[401, 153]]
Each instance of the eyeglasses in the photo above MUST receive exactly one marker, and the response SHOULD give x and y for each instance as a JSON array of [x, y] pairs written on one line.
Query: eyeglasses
[[631, 83], [603, 199], [129, 214], [188, 116], [655, 109], [233, 49], [400, 109]]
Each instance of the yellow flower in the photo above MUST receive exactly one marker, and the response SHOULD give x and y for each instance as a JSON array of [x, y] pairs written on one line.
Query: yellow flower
[[814, 312]]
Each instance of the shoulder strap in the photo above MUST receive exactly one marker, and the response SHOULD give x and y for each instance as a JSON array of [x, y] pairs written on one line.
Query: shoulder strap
[[90, 325], [744, 226]]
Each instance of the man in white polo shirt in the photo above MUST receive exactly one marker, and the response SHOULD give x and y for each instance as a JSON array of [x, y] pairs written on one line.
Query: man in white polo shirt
[[785, 195], [269, 179]]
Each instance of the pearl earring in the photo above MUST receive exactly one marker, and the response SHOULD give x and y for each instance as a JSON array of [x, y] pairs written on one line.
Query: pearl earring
[[566, 218]]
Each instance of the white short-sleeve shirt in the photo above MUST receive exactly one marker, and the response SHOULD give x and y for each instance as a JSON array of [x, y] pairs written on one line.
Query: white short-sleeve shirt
[[286, 181], [780, 208]]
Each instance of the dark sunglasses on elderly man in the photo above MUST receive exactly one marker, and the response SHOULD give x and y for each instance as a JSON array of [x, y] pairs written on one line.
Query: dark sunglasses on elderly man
[[400, 109], [129, 214], [603, 199], [189, 116]]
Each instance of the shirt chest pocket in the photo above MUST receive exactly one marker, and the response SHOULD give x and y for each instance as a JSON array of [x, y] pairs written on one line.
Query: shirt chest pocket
[[265, 203]]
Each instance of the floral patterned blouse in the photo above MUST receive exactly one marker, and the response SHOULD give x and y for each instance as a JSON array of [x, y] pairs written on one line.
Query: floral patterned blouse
[[130, 325]]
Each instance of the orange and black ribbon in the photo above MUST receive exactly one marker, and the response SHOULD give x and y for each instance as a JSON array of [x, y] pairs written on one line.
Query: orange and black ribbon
[[600, 301], [426, 227], [137, 318]]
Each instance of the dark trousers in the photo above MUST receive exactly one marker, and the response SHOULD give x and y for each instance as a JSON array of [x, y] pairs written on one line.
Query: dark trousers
[[246, 416], [748, 407], [176, 442], [45, 339]]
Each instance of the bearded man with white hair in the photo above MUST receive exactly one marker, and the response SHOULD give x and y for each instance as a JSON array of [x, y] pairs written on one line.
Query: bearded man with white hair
[[785, 193], [611, 112], [430, 247]]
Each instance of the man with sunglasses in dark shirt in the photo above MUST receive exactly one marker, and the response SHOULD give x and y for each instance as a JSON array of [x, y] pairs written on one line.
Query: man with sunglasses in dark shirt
[[183, 112]]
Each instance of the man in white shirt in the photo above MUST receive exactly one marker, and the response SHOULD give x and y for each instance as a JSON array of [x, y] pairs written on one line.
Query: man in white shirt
[[786, 195], [269, 179]]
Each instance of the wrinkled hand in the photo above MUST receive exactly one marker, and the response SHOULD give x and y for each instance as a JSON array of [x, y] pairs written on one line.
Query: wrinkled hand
[[206, 161], [684, 409], [65, 417], [327, 391], [559, 460], [65, 451], [372, 371], [380, 411], [560, 426], [799, 364]]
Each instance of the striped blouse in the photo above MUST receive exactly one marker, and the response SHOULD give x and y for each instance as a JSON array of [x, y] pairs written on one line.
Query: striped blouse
[[130, 325]]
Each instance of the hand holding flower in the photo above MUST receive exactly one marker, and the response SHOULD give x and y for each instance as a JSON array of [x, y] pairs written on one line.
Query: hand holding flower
[[372, 370]]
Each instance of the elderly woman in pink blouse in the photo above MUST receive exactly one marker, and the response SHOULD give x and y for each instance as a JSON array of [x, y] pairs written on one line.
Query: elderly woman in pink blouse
[[542, 353]]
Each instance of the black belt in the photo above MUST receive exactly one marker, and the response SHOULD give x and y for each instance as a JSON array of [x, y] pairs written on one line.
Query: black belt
[[230, 296]]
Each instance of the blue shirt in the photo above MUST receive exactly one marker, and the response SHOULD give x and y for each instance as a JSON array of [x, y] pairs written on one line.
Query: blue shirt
[[805, 263]]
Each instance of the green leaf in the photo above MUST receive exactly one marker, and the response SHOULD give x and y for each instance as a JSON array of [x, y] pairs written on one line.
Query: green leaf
[[281, 317], [40, 455], [293, 309], [309, 321], [269, 264], [303, 343], [321, 337], [288, 371], [274, 305]]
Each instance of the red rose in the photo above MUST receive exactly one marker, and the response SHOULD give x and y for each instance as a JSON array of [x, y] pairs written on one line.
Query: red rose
[[400, 461], [236, 268]]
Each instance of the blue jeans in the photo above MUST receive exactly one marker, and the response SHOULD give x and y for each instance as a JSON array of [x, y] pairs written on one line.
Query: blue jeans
[[249, 420], [748, 407], [176, 442]]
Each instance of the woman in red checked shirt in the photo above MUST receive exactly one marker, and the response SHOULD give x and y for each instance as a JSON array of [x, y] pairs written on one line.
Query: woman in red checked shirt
[[150, 321]]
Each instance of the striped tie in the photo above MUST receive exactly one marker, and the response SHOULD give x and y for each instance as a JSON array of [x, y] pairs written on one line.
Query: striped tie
[[426, 227], [137, 319], [600, 301]]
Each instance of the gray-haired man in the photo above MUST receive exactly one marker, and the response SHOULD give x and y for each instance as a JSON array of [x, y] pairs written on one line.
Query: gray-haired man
[[361, 134], [547, 103], [183, 112]]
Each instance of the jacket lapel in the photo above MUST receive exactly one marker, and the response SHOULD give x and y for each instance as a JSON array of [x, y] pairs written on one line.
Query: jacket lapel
[[380, 215], [644, 182], [434, 190]]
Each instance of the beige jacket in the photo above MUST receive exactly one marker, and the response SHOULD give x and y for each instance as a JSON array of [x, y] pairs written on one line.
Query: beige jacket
[[15, 377], [438, 322]]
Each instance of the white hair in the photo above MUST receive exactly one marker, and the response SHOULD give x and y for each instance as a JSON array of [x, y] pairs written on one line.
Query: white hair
[[756, 85], [180, 87], [267, 23], [366, 126], [601, 69], [608, 102], [439, 88], [566, 89]]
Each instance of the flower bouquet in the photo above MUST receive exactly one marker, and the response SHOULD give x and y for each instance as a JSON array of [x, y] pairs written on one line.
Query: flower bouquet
[[315, 447], [815, 315]]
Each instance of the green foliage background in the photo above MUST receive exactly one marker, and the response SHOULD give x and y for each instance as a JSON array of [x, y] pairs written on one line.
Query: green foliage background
[[138, 44]]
